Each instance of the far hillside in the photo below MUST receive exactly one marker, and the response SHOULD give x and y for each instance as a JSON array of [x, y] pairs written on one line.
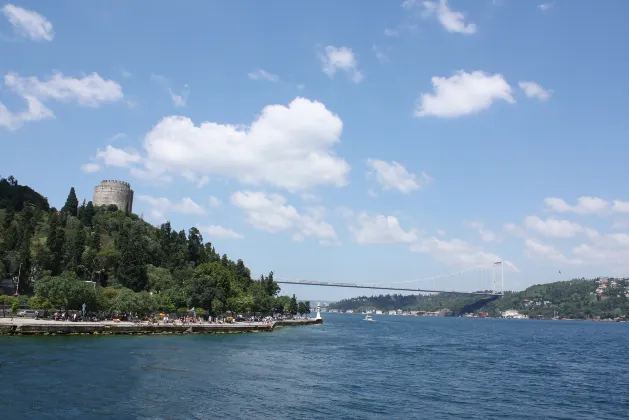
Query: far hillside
[[575, 299]]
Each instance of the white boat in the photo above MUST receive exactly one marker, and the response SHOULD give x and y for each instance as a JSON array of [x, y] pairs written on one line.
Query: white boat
[[368, 318]]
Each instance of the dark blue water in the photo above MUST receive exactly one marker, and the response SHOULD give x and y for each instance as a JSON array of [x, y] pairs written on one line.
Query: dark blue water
[[397, 367]]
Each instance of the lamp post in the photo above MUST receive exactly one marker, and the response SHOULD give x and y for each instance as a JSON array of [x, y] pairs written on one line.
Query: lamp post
[[19, 273]]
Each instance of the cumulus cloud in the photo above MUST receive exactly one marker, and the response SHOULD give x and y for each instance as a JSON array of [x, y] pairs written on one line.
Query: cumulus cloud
[[119, 158], [28, 23], [394, 176], [553, 228], [180, 99], [220, 232], [534, 90], [90, 167], [91, 91], [271, 213], [585, 205], [456, 252], [485, 234], [451, 20], [334, 59], [287, 147], [463, 94], [537, 250], [161, 207], [260, 74], [380, 229]]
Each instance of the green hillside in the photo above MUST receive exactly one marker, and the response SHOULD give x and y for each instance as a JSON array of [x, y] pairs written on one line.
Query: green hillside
[[575, 299], [55, 253]]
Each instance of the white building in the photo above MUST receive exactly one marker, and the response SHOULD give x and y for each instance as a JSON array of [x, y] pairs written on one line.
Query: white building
[[512, 313]]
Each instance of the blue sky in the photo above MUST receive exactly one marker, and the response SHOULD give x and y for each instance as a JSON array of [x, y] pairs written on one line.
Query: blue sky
[[372, 142]]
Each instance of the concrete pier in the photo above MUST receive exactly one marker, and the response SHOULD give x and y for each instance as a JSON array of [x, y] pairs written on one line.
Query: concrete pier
[[20, 326]]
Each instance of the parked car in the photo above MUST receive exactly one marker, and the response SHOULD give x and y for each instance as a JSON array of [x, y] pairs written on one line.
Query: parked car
[[26, 313]]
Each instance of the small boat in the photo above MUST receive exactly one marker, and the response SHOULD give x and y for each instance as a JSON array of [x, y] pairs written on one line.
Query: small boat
[[368, 318]]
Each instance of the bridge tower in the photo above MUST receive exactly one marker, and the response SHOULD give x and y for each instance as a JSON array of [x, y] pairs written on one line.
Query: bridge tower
[[502, 277]]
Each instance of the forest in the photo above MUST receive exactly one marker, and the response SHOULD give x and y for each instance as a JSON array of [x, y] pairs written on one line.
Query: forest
[[572, 299], [117, 262]]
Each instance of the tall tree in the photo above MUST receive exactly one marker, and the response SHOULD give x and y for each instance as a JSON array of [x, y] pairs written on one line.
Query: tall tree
[[72, 203], [131, 270], [195, 246], [293, 307]]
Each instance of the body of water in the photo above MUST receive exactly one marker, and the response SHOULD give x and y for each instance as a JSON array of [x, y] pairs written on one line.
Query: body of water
[[347, 368]]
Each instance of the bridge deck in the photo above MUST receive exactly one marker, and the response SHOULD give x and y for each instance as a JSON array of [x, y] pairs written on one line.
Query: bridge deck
[[362, 286]]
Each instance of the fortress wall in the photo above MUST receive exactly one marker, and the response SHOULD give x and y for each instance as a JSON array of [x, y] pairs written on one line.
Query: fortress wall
[[114, 192]]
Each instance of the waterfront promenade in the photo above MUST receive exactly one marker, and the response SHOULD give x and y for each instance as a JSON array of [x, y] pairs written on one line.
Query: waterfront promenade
[[29, 326]]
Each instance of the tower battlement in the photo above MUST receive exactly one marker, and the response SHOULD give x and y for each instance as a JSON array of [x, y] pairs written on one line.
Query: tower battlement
[[111, 191]]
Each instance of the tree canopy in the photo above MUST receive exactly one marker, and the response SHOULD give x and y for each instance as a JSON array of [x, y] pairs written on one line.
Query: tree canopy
[[110, 260]]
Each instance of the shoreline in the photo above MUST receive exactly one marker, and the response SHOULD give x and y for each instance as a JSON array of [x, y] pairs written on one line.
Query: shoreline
[[21, 326]]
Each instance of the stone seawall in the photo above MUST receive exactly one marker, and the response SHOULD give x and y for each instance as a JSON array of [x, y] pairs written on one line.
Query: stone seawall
[[33, 327]]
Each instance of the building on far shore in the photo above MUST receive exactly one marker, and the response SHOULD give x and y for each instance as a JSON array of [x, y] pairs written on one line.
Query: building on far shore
[[114, 192]]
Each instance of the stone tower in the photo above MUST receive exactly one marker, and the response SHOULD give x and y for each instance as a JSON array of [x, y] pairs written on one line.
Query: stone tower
[[114, 192]]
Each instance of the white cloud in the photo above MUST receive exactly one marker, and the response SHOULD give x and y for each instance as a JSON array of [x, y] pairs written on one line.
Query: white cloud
[[451, 20], [585, 205], [463, 94], [119, 158], [29, 23], [621, 224], [36, 111], [379, 229], [334, 59], [90, 167], [219, 232], [380, 55], [288, 147], [394, 176], [214, 202], [485, 234], [161, 207], [180, 99], [534, 90], [553, 228], [455, 252], [514, 229], [441, 232], [260, 74], [270, 213], [536, 250], [90, 90], [408, 4], [620, 206], [545, 6], [391, 32]]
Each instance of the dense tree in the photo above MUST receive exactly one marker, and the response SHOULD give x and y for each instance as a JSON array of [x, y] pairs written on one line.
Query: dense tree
[[131, 269], [13, 196], [125, 257]]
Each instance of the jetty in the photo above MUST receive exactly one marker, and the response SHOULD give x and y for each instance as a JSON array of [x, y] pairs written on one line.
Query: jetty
[[29, 326]]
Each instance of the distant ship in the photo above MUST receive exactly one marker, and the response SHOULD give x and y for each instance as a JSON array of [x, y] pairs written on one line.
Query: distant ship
[[368, 318]]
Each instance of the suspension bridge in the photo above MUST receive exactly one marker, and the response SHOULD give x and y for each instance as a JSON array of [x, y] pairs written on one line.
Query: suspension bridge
[[490, 281]]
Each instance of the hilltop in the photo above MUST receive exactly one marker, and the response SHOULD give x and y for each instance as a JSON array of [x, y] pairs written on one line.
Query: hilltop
[[575, 299], [115, 261]]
